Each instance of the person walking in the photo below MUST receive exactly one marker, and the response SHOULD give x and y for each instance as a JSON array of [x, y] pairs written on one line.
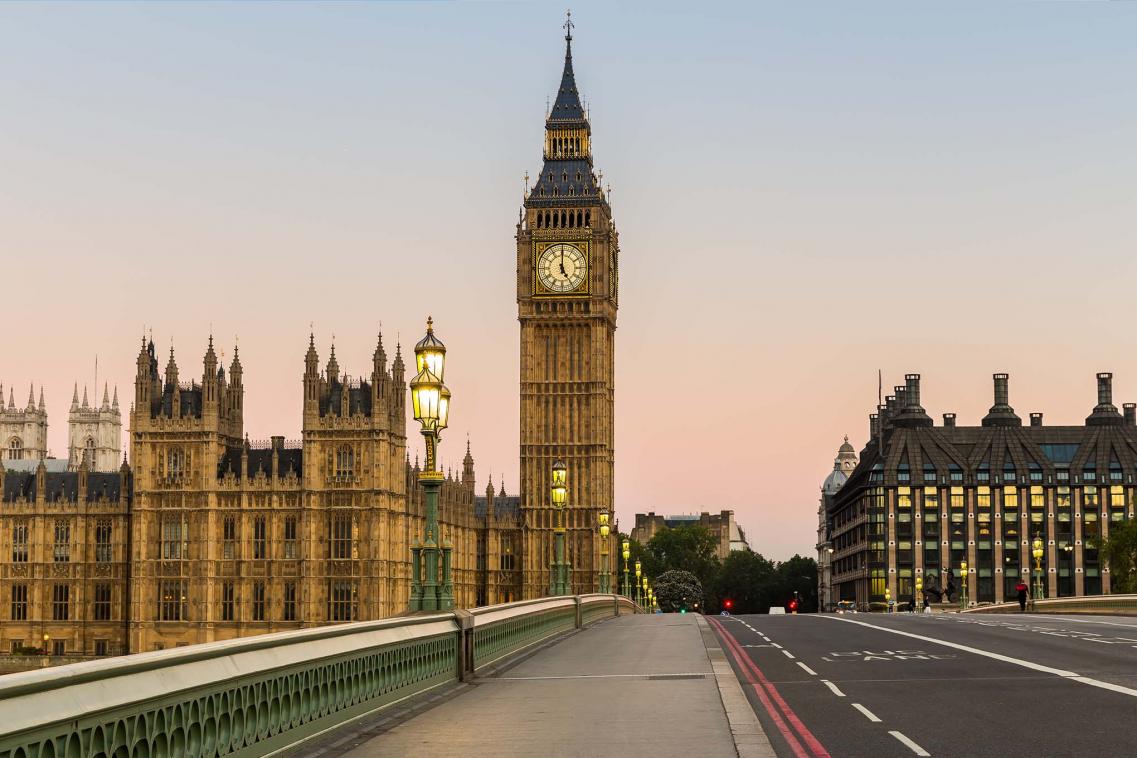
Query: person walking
[[1021, 590]]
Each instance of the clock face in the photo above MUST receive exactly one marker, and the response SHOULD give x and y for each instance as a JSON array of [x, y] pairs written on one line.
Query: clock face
[[562, 267]]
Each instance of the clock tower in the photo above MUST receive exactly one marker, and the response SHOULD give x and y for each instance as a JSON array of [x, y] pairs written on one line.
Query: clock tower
[[567, 295]]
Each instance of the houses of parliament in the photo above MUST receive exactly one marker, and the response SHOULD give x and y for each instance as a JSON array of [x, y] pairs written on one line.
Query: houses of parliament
[[201, 534]]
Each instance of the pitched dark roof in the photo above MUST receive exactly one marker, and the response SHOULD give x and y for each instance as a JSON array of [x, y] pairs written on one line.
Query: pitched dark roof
[[567, 106], [559, 176], [358, 399], [260, 459], [62, 485], [507, 507]]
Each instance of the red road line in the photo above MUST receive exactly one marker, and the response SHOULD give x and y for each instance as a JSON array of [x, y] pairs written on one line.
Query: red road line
[[807, 736], [776, 717]]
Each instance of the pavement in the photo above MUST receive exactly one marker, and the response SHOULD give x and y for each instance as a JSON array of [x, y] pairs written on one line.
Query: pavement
[[902, 684], [642, 685]]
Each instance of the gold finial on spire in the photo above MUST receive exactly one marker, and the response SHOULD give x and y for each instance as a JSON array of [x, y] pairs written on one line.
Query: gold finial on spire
[[568, 25], [429, 325]]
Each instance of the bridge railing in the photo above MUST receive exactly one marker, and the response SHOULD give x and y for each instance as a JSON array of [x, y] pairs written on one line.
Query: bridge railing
[[257, 695], [1125, 604]]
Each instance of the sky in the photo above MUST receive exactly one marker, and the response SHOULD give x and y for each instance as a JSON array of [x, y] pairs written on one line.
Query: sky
[[806, 194]]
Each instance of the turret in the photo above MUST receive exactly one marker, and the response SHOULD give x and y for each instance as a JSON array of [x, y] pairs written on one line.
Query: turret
[[380, 382], [468, 469], [333, 370], [311, 378], [210, 379], [237, 389], [75, 398], [106, 406]]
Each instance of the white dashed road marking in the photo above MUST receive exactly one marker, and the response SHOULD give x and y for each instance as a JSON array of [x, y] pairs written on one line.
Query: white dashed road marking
[[910, 744], [868, 714], [833, 687], [788, 654], [808, 670]]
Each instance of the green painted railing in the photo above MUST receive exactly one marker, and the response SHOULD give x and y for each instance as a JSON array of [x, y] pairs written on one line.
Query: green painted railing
[[1123, 604], [262, 694]]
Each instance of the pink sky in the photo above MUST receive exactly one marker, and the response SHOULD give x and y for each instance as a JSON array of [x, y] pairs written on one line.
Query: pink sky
[[803, 197]]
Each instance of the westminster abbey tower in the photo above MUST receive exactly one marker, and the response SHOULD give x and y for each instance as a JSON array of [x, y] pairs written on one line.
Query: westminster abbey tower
[[567, 256]]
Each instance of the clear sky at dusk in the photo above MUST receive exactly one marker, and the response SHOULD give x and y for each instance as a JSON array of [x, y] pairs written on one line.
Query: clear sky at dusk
[[804, 194]]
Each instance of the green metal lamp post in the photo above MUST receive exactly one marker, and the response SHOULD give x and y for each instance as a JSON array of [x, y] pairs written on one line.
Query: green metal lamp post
[[643, 594], [559, 584], [432, 588], [627, 549], [963, 586], [1037, 552], [605, 583], [639, 573]]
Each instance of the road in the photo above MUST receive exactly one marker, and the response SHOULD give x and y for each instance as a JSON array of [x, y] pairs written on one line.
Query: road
[[882, 685]]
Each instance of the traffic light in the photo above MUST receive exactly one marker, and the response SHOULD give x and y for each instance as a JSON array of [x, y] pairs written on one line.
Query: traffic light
[[728, 604], [793, 605]]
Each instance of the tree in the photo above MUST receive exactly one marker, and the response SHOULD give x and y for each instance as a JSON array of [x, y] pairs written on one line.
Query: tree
[[678, 590], [800, 575], [746, 579], [683, 548], [1120, 552]]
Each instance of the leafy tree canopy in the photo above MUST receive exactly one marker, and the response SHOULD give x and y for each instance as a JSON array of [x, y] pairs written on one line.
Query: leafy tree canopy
[[678, 590], [1120, 552]]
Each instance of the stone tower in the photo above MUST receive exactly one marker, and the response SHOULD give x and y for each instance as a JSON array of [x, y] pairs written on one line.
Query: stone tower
[[94, 431], [567, 256], [23, 431]]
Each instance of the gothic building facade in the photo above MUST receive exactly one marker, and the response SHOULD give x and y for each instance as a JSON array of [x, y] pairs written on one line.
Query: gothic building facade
[[209, 535], [94, 432], [23, 431], [567, 297], [925, 499]]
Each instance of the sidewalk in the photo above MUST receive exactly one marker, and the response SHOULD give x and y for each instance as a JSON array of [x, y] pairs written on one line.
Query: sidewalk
[[633, 686]]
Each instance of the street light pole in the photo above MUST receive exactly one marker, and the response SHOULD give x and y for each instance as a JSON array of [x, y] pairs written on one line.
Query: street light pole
[[605, 584], [431, 588], [627, 551], [639, 573], [1036, 552], [558, 493], [963, 586]]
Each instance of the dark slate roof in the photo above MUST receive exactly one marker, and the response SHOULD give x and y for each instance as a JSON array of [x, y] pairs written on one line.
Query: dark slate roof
[[190, 402], [358, 399], [62, 486], [560, 175], [507, 507], [19, 484], [260, 459], [995, 449], [567, 106]]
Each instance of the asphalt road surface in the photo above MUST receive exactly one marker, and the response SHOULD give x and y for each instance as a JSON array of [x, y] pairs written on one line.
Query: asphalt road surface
[[880, 685]]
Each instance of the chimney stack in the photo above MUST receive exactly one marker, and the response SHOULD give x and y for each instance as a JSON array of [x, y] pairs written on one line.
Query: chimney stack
[[949, 420], [874, 425], [1130, 414], [1001, 413], [1105, 412], [908, 399], [1036, 419]]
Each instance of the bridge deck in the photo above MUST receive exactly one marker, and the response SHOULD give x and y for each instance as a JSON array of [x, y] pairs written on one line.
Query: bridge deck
[[636, 685]]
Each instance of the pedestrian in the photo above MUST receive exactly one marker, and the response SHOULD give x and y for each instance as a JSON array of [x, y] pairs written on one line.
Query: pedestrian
[[1021, 590]]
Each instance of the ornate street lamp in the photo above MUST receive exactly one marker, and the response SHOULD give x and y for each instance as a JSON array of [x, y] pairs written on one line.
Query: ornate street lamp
[[643, 593], [887, 600], [432, 588], [627, 550], [639, 573], [1037, 552], [963, 586], [919, 594], [558, 492], [605, 584]]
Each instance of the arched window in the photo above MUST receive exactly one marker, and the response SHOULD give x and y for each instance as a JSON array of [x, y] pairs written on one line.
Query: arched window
[[588, 218], [15, 449], [345, 461], [175, 462], [89, 452]]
